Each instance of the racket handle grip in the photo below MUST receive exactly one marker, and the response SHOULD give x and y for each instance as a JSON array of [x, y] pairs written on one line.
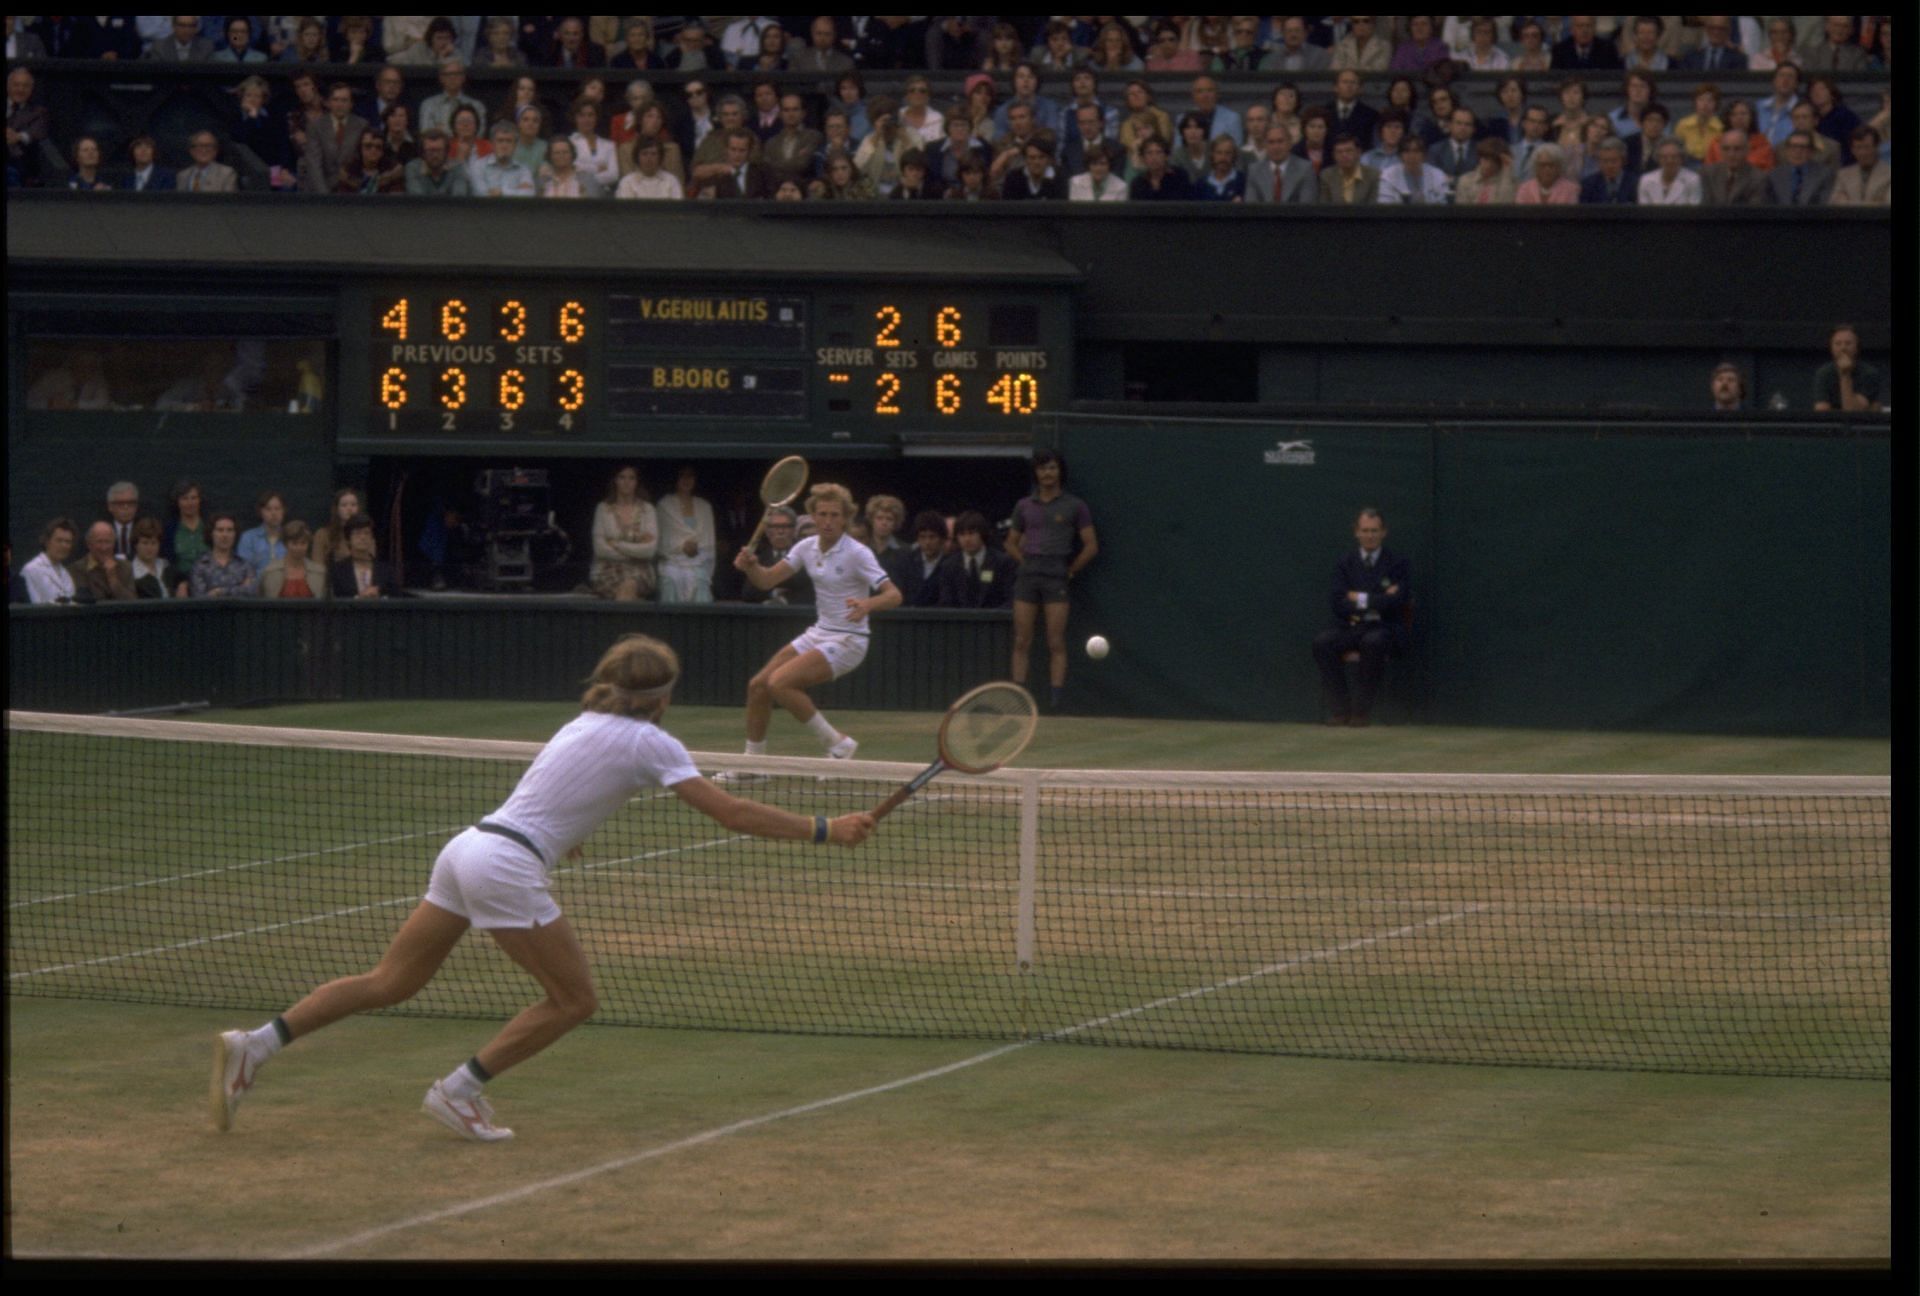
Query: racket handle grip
[[893, 802]]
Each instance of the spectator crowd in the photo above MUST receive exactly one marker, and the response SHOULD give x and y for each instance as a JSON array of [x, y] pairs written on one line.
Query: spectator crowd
[[1068, 108]]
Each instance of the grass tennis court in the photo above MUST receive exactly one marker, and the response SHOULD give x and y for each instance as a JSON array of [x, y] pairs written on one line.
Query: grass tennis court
[[1028, 1151]]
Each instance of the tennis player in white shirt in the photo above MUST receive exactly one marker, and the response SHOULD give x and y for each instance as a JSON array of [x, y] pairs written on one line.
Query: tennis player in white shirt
[[494, 876], [848, 586]]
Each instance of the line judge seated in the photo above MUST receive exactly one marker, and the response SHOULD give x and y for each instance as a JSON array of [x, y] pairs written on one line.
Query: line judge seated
[[1371, 589]]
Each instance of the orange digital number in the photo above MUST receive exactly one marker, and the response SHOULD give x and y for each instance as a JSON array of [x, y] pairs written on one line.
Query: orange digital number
[[889, 317], [946, 327], [394, 321], [513, 322], [1015, 394], [946, 394], [513, 389], [573, 322], [453, 321], [453, 389], [573, 389], [393, 389], [889, 388]]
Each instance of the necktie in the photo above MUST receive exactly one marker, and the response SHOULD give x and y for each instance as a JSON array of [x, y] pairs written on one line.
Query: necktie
[[1799, 173], [1278, 181]]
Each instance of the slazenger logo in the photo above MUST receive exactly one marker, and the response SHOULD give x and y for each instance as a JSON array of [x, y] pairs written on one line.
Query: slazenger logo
[[1291, 452]]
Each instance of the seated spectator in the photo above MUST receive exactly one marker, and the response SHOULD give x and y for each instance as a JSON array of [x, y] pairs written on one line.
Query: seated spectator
[[711, 154], [1799, 181], [1361, 49], [625, 539], [145, 175], [1491, 180], [332, 142], [1224, 180], [626, 125], [772, 55], [1164, 53], [355, 42], [220, 572], [1636, 93], [1371, 589], [653, 126], [1256, 119], [1037, 179], [850, 93], [914, 570], [1215, 117], [1280, 177], [1482, 53], [1347, 114], [123, 510], [1583, 50], [309, 44], [1779, 52], [1056, 51], [1315, 132], [1433, 124], [1291, 56], [1834, 49], [185, 536], [560, 178], [1089, 130], [239, 44], [592, 152], [207, 174], [436, 112], [330, 542], [945, 158], [499, 175], [1804, 115], [688, 541], [885, 516], [837, 137], [844, 183], [1389, 130], [1532, 55], [1741, 117], [1512, 96], [396, 127], [1348, 182], [1732, 182], [184, 45], [1869, 181], [1455, 156], [1190, 154], [782, 534], [1098, 183], [1422, 49], [1671, 184], [1610, 183], [694, 49], [441, 43], [638, 52], [973, 186], [1113, 51], [362, 573], [913, 186], [152, 575], [1717, 53], [530, 137], [295, 574], [1549, 184], [572, 49], [1158, 181], [1572, 117], [1729, 389], [1833, 118], [85, 176], [46, 575], [879, 154], [1584, 160], [1643, 150], [262, 546], [1411, 180], [99, 577], [1010, 149], [263, 132], [1704, 126], [1143, 120], [434, 174], [975, 575], [1026, 90], [649, 180], [1775, 111], [789, 153], [1846, 382], [372, 170]]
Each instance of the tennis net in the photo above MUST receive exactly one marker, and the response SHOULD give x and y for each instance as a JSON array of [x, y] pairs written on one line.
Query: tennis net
[[1736, 925]]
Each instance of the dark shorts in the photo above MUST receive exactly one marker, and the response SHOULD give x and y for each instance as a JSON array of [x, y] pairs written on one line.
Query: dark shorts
[[1041, 580]]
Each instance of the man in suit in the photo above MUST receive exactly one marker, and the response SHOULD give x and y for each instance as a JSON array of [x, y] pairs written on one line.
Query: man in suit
[[185, 45], [27, 124], [1869, 181], [945, 158], [1089, 130], [974, 575], [789, 153], [1454, 156], [331, 141], [1835, 50], [1718, 52], [362, 574], [1293, 54], [389, 88], [739, 176], [1218, 118], [1610, 184], [1584, 51], [1349, 115], [146, 176], [1732, 181], [1643, 149], [1797, 180], [781, 535], [207, 174], [100, 577], [1347, 183], [1279, 176], [1370, 598], [123, 510], [915, 569], [1038, 178]]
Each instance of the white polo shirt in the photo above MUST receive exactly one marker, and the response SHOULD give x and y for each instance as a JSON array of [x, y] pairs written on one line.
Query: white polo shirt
[[848, 570], [585, 774]]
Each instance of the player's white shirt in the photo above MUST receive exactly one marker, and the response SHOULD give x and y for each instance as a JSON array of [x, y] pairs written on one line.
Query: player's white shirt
[[585, 774], [848, 570]]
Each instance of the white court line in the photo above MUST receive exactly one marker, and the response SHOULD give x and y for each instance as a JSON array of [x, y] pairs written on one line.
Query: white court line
[[754, 1122]]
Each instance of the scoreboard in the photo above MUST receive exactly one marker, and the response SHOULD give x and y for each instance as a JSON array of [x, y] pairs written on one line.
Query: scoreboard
[[499, 366]]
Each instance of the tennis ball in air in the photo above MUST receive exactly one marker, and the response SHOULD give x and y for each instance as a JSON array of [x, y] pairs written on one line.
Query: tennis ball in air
[[1096, 647]]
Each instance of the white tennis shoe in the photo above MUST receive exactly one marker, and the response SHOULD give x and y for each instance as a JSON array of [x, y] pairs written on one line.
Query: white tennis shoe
[[234, 1070], [844, 749], [468, 1117]]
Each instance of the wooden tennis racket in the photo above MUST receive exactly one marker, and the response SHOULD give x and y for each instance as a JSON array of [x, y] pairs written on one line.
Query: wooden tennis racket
[[985, 729], [782, 485]]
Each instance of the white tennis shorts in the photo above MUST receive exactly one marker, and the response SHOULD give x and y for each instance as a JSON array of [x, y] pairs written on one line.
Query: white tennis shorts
[[491, 882], [843, 652]]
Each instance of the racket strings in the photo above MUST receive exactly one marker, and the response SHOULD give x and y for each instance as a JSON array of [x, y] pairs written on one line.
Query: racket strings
[[989, 727]]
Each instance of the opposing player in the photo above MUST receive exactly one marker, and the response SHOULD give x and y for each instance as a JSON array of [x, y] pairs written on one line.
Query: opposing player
[[494, 876], [849, 585], [1041, 540]]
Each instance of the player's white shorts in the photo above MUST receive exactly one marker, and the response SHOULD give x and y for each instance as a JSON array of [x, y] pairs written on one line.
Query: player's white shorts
[[492, 882], [844, 652]]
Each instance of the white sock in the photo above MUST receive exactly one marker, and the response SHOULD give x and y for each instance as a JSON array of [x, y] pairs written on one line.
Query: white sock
[[822, 730], [265, 1042], [756, 748], [463, 1083]]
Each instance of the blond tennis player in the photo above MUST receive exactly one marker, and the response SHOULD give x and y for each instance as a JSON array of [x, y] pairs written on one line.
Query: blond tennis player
[[849, 585], [494, 876]]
